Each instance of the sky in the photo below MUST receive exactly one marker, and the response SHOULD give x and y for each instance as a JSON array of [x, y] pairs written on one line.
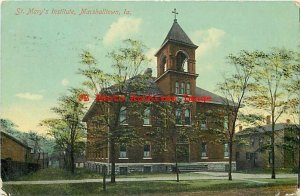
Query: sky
[[40, 54]]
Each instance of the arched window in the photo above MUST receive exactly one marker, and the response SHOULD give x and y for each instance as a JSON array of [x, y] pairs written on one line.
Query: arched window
[[163, 64], [122, 116], [187, 117], [182, 88], [147, 116], [178, 117], [182, 61], [176, 88], [188, 88]]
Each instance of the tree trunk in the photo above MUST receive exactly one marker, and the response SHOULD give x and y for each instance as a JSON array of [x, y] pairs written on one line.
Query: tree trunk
[[273, 151], [298, 158], [176, 165], [72, 159], [113, 162], [230, 160]]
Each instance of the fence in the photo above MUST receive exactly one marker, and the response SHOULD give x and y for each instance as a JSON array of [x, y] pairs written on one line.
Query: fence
[[13, 169]]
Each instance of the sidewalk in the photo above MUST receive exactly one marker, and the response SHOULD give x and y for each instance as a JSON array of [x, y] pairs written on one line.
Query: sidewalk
[[202, 176]]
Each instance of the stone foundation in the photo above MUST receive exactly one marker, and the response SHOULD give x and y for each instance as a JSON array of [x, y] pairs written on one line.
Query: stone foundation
[[125, 168]]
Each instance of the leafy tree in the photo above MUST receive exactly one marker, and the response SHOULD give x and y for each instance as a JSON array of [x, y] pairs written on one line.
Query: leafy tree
[[269, 94], [125, 80], [234, 89], [67, 129], [293, 139]]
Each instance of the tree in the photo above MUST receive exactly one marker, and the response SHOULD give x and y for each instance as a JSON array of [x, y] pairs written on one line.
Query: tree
[[234, 89], [67, 129], [293, 139], [125, 80], [270, 94]]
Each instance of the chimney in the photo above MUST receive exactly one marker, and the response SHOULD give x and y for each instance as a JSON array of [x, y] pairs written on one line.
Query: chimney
[[148, 72], [240, 128], [288, 121], [268, 119]]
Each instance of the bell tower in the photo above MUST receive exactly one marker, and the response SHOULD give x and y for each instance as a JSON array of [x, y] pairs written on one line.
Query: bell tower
[[176, 72]]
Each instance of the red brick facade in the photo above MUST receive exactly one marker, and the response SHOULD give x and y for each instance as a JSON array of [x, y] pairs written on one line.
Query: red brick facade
[[176, 76]]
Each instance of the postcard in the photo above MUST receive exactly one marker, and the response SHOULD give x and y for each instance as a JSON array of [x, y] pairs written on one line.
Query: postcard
[[150, 97]]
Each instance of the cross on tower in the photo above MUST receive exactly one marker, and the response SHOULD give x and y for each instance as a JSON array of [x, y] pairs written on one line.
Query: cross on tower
[[175, 13]]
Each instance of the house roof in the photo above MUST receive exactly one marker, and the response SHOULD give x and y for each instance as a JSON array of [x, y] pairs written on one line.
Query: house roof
[[14, 139], [216, 99], [263, 129], [151, 88], [177, 35]]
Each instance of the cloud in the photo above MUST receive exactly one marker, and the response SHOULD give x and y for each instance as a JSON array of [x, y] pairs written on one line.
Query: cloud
[[121, 29], [207, 40], [29, 96], [150, 55], [65, 82]]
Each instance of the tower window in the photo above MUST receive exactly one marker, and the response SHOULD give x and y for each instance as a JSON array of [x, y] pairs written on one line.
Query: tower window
[[182, 88], [182, 61], [188, 88], [163, 64], [176, 88]]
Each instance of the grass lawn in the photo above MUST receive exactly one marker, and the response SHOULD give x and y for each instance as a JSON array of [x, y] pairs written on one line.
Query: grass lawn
[[269, 171], [196, 187], [81, 173], [60, 174]]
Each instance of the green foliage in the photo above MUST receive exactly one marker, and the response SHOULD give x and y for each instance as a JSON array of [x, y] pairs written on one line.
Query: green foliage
[[34, 140]]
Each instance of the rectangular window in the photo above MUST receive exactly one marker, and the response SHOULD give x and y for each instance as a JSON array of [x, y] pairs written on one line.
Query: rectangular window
[[225, 122], [203, 123], [122, 116], [123, 151], [147, 150], [226, 150], [178, 117], [248, 155], [176, 88], [270, 157], [188, 88], [182, 88], [187, 117], [147, 116], [203, 150]]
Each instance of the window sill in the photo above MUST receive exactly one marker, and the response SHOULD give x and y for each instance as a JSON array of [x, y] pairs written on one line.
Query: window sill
[[124, 124], [204, 157], [123, 158], [178, 125], [145, 158], [226, 157], [147, 125]]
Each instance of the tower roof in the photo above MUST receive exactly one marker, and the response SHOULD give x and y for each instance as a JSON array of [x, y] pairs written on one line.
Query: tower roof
[[177, 35]]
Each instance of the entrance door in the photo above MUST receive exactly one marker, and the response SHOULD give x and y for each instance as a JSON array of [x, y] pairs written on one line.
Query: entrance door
[[183, 152]]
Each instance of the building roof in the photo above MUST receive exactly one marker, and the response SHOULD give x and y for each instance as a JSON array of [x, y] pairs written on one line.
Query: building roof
[[151, 88], [264, 129], [176, 34], [14, 139]]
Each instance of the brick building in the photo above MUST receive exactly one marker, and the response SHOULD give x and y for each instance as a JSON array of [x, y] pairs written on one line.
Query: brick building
[[176, 76], [255, 154]]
